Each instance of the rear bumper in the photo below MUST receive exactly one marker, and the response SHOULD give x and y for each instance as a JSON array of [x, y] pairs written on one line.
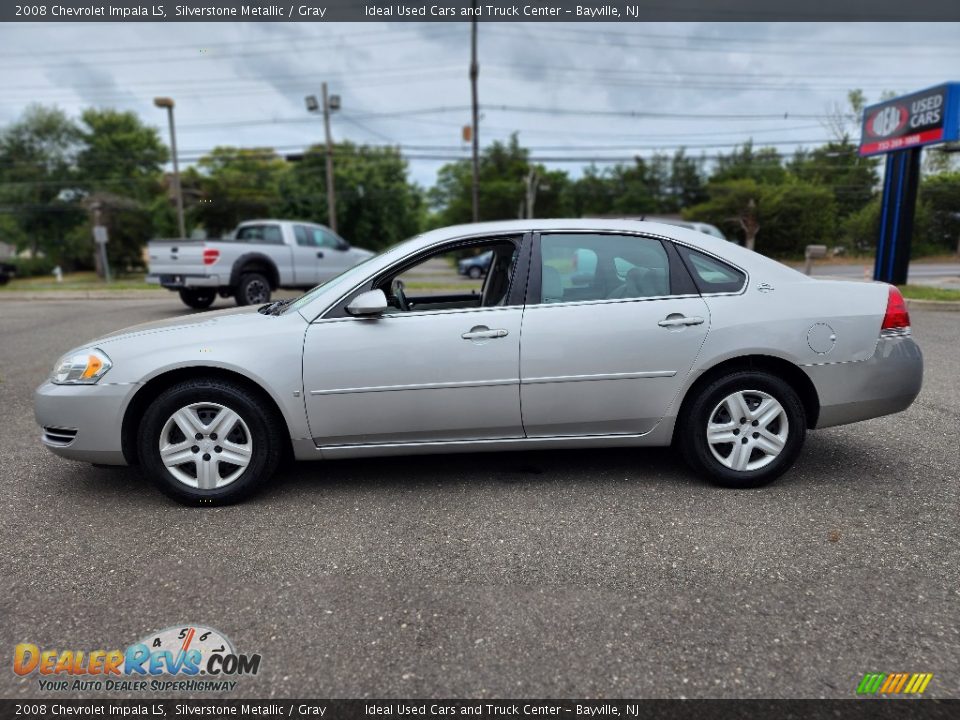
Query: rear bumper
[[886, 383], [175, 282], [83, 422]]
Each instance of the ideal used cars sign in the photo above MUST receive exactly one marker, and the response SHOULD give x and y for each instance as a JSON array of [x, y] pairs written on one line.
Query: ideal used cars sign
[[921, 118]]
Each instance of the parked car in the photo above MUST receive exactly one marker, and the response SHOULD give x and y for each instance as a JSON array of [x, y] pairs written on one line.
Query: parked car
[[676, 338], [475, 267], [7, 271], [258, 258]]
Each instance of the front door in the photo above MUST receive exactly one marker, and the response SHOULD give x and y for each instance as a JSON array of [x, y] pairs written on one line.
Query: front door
[[307, 256], [607, 341], [441, 365]]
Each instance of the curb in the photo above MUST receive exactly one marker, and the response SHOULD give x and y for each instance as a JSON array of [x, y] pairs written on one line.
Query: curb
[[947, 305]]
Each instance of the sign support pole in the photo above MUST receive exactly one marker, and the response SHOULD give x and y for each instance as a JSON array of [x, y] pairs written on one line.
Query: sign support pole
[[900, 183]]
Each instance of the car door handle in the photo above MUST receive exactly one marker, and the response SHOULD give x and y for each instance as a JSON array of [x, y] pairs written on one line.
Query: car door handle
[[320, 254], [675, 321], [482, 331]]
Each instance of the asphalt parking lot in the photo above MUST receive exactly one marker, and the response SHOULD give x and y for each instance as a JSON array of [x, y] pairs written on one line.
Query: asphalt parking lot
[[561, 574]]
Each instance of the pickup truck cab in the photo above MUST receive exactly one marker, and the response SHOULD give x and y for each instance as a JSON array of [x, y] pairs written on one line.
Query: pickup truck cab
[[259, 257]]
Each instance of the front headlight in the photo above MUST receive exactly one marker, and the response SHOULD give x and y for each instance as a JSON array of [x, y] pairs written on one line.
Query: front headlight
[[81, 368]]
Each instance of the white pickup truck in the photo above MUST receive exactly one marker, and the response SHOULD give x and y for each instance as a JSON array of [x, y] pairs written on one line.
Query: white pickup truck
[[259, 257]]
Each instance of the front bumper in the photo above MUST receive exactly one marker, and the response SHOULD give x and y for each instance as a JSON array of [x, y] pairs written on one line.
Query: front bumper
[[887, 382], [175, 282], [83, 422]]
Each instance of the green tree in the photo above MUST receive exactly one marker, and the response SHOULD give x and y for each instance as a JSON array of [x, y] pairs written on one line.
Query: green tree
[[787, 216], [591, 194], [120, 154], [38, 184], [122, 163], [376, 204], [728, 202], [940, 194], [838, 167], [744, 163], [503, 171], [237, 184]]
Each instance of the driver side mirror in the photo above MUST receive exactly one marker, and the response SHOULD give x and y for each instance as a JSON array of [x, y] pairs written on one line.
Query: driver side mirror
[[368, 304], [342, 244]]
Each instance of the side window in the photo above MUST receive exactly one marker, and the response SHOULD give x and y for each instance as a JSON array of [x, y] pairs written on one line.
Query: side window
[[711, 275], [260, 234], [302, 235], [444, 281], [580, 267], [272, 235], [325, 238], [250, 233]]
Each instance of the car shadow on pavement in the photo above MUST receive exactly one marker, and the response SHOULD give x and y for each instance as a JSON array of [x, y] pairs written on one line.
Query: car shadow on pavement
[[829, 459], [534, 467]]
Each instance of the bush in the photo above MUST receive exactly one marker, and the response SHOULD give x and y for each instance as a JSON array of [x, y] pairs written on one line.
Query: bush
[[32, 267]]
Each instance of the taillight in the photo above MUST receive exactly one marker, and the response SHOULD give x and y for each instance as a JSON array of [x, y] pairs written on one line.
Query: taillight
[[210, 256], [896, 321]]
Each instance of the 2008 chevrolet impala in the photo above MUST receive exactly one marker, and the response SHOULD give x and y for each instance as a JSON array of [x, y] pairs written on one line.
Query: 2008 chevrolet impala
[[584, 333]]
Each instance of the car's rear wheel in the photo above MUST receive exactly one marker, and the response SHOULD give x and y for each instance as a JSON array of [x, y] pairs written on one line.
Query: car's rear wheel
[[198, 299], [475, 272], [253, 289], [207, 442], [743, 430]]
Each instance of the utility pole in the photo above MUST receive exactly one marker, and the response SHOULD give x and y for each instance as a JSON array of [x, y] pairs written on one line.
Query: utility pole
[[165, 102], [474, 73], [331, 202]]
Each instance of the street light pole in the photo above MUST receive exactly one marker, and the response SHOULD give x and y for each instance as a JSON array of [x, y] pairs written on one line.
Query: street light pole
[[474, 72], [164, 102], [331, 202]]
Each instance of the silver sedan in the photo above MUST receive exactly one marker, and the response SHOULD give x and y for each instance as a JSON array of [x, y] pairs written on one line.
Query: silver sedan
[[583, 333]]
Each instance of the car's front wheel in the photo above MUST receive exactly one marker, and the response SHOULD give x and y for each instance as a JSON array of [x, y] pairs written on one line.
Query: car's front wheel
[[743, 430], [206, 442], [475, 272]]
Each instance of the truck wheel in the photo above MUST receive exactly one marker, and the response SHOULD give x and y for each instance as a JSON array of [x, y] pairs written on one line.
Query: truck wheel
[[253, 289], [198, 299]]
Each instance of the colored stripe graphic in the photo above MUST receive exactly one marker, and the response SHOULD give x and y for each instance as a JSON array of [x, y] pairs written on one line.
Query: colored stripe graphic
[[894, 683]]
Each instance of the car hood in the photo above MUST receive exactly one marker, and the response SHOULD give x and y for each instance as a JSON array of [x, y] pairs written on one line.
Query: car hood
[[218, 318]]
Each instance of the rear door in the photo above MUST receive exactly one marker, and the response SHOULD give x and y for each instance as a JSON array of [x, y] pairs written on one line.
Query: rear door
[[611, 329]]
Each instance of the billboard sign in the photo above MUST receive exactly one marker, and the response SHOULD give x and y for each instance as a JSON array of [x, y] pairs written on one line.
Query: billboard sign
[[921, 118]]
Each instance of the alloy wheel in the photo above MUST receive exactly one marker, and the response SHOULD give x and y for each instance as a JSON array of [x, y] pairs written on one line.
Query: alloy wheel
[[747, 430], [206, 445]]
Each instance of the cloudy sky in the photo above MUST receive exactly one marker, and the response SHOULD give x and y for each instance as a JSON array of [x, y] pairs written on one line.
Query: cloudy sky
[[573, 92]]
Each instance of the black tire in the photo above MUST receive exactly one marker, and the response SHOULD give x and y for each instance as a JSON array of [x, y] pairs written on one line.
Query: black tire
[[253, 289], [706, 406], [475, 272], [198, 299], [258, 430]]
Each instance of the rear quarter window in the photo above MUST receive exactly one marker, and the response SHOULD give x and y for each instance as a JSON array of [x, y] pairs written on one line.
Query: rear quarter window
[[712, 275]]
